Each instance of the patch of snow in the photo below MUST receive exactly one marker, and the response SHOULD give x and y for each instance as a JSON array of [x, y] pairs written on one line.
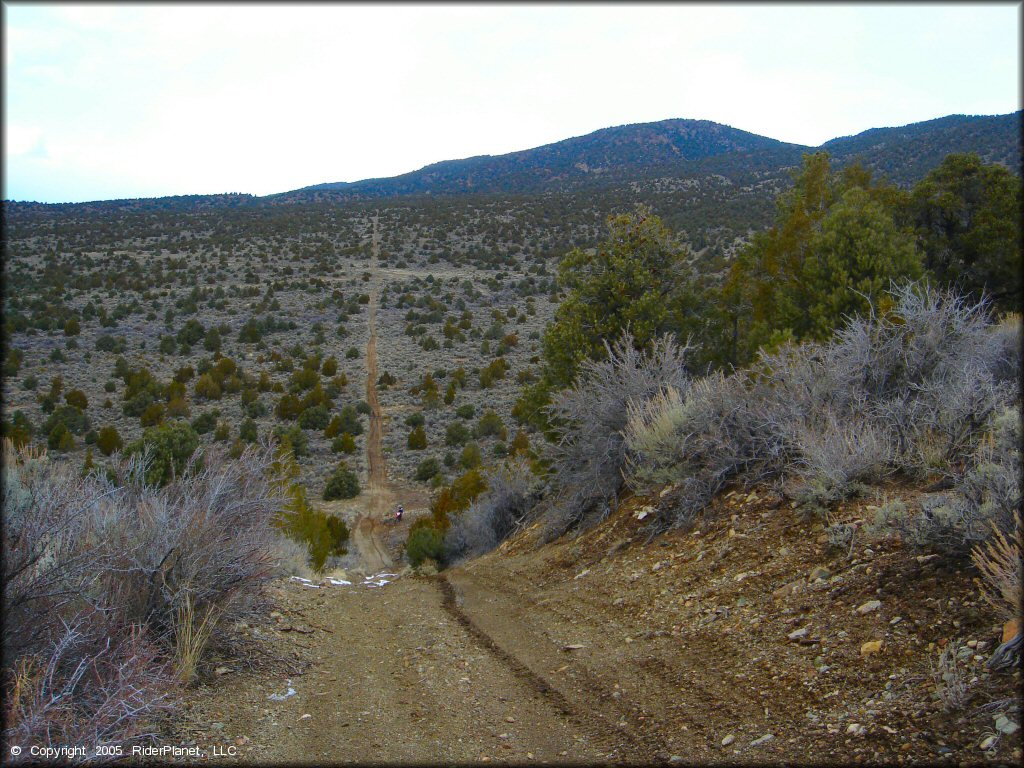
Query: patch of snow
[[282, 697]]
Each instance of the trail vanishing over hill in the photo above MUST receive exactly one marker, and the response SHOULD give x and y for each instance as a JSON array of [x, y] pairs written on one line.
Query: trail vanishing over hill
[[366, 534]]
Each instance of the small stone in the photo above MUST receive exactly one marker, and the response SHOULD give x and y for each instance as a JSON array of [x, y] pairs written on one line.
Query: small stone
[[819, 572], [306, 716], [989, 743], [221, 671], [1006, 726], [510, 719], [788, 589], [728, 740], [676, 759], [856, 729], [869, 607], [895, 620], [742, 601], [871, 647], [763, 740], [972, 643], [796, 634]]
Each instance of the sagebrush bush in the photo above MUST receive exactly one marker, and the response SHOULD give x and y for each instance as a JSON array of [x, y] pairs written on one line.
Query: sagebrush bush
[[715, 434], [912, 391], [97, 569], [590, 453]]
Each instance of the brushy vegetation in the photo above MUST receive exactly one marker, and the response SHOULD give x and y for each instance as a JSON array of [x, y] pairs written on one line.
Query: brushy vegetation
[[928, 388], [113, 585], [589, 417], [512, 491]]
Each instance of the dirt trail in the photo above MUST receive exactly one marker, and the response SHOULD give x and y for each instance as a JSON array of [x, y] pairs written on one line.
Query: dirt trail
[[367, 534], [741, 641]]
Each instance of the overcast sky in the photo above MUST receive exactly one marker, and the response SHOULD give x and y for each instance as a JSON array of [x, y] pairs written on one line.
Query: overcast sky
[[147, 100]]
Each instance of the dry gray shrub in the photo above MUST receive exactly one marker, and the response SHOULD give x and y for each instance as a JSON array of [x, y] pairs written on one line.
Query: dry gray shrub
[[89, 689], [206, 537], [986, 496], [835, 456], [589, 456], [717, 432], [512, 491], [98, 569], [913, 391]]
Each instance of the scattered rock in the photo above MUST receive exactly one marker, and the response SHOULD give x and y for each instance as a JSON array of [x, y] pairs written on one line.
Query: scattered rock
[[797, 634], [306, 716], [763, 740], [819, 572], [869, 607], [1006, 725], [643, 512], [788, 589], [990, 742], [221, 671], [856, 729], [728, 740], [870, 647], [573, 647]]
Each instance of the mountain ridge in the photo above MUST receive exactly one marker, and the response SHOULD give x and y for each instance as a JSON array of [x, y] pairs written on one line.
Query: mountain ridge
[[674, 147]]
